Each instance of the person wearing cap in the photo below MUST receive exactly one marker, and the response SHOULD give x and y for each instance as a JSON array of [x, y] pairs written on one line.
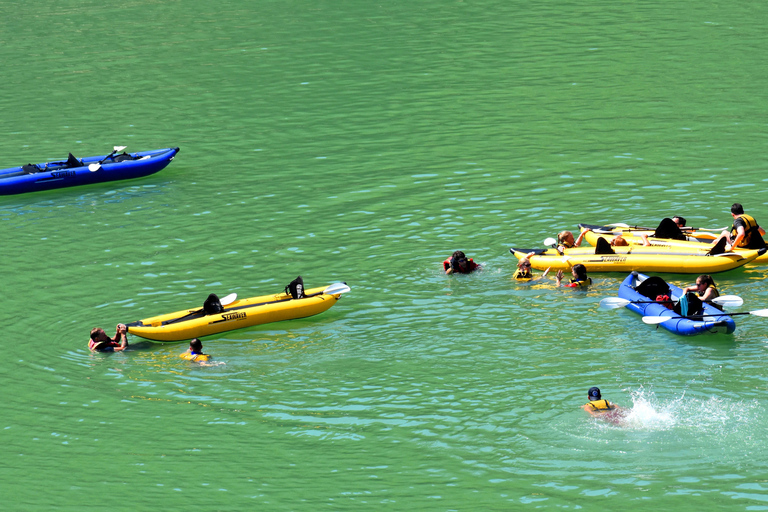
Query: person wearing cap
[[597, 405], [458, 263], [745, 232]]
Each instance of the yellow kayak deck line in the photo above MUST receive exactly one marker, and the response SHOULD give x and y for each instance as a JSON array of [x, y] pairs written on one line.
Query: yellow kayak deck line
[[543, 259], [666, 244], [193, 323]]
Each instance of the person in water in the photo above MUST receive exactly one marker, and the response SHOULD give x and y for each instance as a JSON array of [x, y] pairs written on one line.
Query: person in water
[[745, 232], [195, 352], [524, 272], [458, 263], [580, 279], [565, 240], [100, 342], [597, 405], [705, 288]]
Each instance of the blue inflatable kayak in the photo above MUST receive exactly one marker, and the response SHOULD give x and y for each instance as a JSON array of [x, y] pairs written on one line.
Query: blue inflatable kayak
[[84, 171], [643, 291]]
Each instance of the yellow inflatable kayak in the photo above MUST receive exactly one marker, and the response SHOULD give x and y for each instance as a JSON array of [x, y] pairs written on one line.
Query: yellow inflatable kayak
[[194, 323], [664, 244], [626, 261]]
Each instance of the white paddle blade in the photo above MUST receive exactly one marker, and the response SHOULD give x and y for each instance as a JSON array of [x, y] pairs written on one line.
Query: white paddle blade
[[94, 167], [119, 148], [759, 312], [731, 301], [229, 299], [337, 289], [619, 224], [549, 241], [613, 303], [653, 320]]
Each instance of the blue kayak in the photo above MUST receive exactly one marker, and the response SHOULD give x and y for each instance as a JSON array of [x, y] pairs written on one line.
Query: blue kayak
[[644, 290], [84, 171]]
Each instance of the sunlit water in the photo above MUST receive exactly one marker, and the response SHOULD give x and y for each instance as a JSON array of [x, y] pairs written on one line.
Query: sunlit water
[[365, 143]]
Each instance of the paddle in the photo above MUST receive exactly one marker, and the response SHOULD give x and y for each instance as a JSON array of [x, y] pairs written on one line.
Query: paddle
[[551, 242], [229, 299], [337, 289], [95, 167], [617, 302], [653, 320]]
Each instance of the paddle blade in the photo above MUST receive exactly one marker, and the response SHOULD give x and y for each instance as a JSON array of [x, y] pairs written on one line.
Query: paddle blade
[[337, 289], [119, 148], [731, 301], [653, 320], [613, 303], [94, 167], [550, 241], [759, 312], [229, 299]]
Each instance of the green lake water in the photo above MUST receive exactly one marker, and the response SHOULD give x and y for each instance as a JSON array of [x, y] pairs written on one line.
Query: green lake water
[[360, 142]]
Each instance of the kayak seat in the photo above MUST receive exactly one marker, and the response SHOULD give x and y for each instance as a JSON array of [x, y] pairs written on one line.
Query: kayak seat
[[73, 162], [212, 305], [603, 247], [123, 157], [30, 169], [653, 287]]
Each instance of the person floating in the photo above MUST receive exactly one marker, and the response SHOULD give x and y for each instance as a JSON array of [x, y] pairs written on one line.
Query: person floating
[[580, 279], [195, 352], [745, 232], [458, 263], [100, 342]]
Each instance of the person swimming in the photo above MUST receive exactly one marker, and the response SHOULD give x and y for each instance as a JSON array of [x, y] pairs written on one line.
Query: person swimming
[[195, 352]]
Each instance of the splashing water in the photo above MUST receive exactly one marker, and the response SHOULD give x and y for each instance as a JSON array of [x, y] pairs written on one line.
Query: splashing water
[[715, 415]]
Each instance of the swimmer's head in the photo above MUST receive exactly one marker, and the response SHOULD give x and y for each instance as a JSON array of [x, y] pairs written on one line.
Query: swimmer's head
[[594, 393]]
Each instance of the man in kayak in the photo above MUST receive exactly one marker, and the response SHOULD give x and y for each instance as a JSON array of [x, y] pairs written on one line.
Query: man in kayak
[[580, 279], [458, 263], [745, 232], [100, 342], [601, 408], [195, 352]]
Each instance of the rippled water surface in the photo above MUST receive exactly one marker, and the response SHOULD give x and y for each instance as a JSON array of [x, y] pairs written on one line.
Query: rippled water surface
[[364, 143]]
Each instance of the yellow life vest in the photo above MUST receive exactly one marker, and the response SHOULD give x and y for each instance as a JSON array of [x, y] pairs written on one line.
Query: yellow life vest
[[581, 284], [195, 357], [522, 275], [749, 229], [600, 405]]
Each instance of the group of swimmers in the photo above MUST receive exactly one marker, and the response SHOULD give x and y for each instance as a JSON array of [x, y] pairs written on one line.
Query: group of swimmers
[[101, 342]]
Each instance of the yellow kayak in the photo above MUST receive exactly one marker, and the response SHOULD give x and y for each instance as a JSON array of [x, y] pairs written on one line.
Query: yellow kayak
[[626, 261], [690, 234], [666, 244], [194, 323]]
